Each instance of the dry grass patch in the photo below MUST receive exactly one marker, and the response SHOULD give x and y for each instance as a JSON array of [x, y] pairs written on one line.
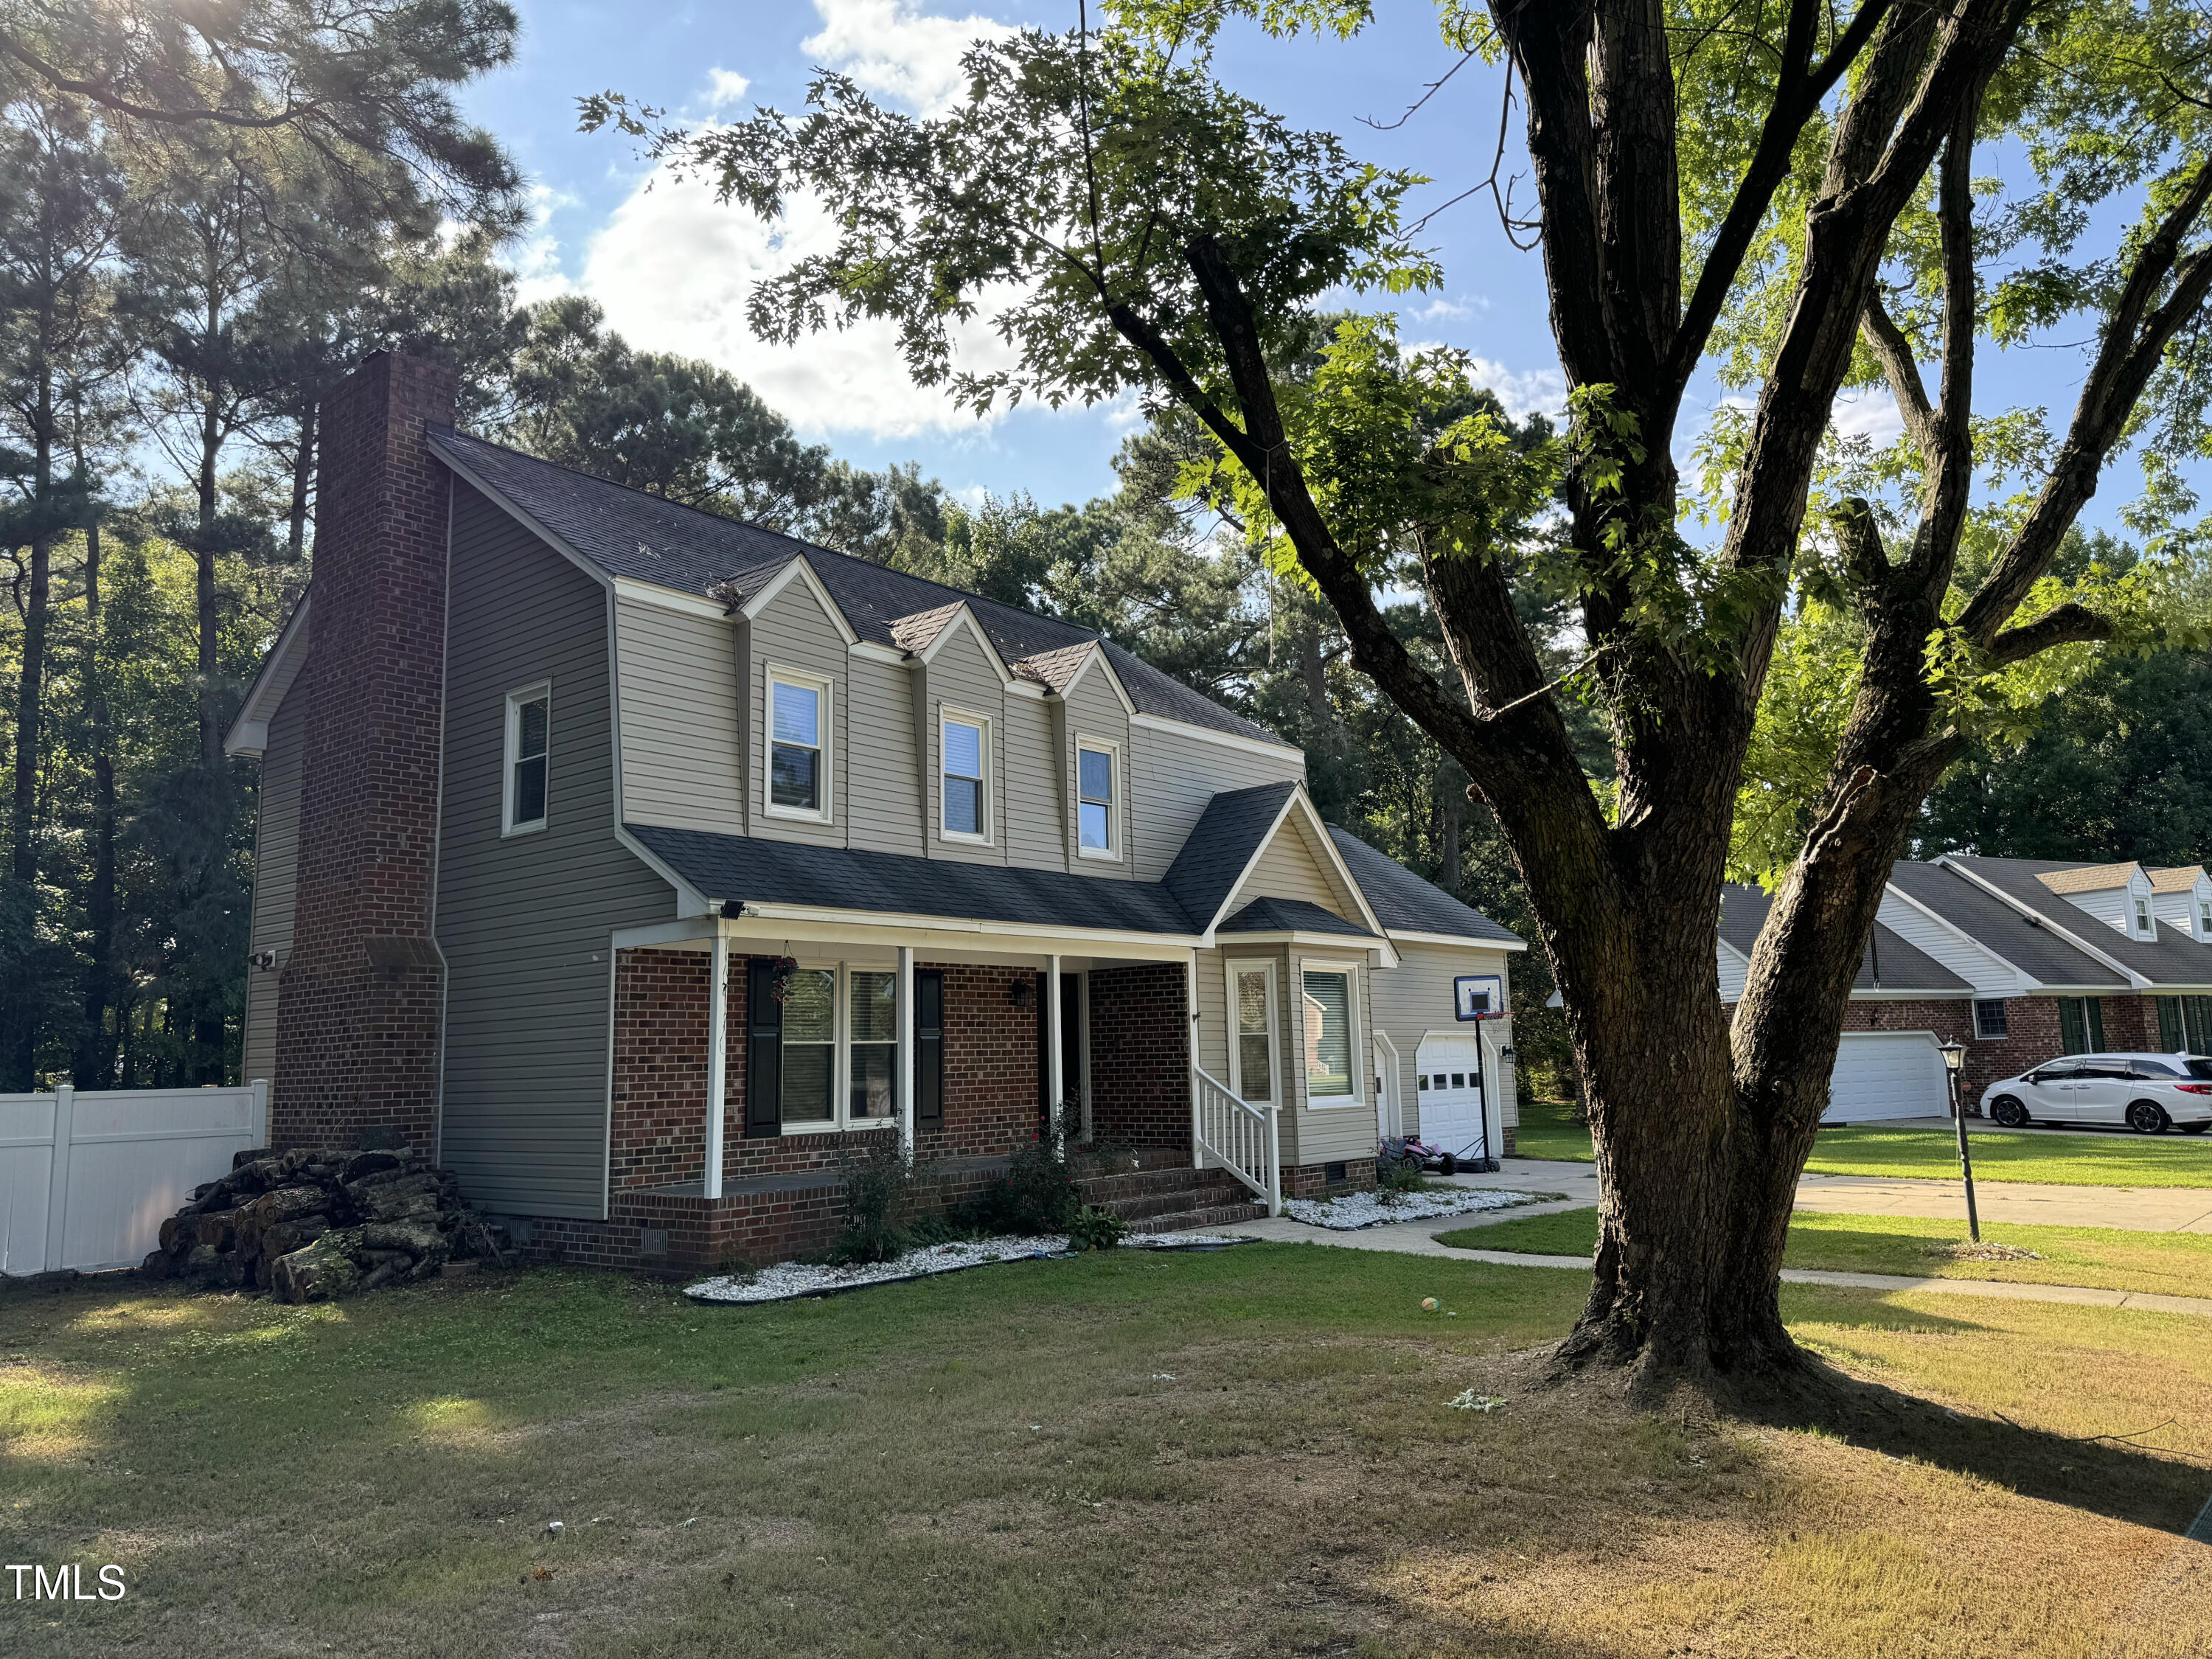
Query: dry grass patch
[[1242, 1454]]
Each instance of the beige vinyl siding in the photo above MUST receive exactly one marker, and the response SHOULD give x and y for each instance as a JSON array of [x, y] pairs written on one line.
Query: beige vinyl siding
[[885, 798], [793, 631], [276, 879], [1289, 868], [1172, 776], [1093, 711], [683, 748], [1324, 1134], [1415, 998], [1033, 809], [959, 676], [523, 921], [1213, 1014]]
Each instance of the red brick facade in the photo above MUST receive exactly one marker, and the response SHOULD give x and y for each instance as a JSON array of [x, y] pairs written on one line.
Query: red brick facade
[[2032, 1032], [359, 1003], [1141, 1056]]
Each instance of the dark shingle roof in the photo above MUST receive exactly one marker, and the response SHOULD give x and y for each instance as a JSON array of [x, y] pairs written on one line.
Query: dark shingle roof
[[1220, 844], [629, 533], [1998, 926], [1889, 962], [2172, 958], [1404, 904], [744, 869], [1282, 916]]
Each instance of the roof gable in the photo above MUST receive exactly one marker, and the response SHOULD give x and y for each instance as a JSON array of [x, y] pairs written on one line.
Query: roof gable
[[2013, 886], [1406, 904], [1889, 962], [628, 534]]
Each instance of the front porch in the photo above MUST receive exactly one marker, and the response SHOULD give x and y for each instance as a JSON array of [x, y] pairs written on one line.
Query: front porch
[[820, 1048]]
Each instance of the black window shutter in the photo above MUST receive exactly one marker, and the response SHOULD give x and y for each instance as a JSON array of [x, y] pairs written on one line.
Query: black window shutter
[[1044, 1051], [763, 1048], [929, 1045]]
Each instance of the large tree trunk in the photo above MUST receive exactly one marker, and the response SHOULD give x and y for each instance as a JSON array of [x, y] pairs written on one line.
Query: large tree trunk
[[30, 684], [204, 588], [303, 479]]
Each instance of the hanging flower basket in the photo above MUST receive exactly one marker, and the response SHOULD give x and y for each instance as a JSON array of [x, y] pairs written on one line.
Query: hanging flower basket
[[780, 976]]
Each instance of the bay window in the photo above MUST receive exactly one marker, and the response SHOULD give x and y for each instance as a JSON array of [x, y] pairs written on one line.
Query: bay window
[[1331, 1037]]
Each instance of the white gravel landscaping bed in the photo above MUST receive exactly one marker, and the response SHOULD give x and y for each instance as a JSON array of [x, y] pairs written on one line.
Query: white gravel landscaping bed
[[788, 1279], [1356, 1210]]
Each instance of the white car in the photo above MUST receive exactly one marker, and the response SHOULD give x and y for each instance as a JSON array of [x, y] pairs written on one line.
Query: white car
[[2149, 1093]]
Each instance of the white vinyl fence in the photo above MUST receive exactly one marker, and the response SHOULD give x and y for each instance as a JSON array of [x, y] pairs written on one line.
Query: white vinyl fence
[[88, 1177]]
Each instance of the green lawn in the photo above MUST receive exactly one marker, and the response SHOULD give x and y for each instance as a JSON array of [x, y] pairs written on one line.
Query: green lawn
[[2068, 1157], [1244, 1453], [2174, 1264]]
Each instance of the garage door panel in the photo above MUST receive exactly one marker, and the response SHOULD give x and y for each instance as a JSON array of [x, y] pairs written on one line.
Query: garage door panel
[[1883, 1074]]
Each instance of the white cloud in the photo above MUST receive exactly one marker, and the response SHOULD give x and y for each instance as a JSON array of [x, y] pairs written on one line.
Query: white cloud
[[725, 87], [674, 269], [1523, 392], [894, 48], [535, 256], [1869, 412], [1442, 309]]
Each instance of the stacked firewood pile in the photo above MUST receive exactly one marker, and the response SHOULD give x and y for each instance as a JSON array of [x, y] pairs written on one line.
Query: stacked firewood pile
[[312, 1226]]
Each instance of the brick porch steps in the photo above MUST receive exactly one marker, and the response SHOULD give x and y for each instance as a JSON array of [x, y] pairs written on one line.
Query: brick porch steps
[[1173, 1201]]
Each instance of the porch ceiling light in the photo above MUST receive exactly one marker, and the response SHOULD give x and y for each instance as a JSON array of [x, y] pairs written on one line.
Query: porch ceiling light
[[1955, 1054]]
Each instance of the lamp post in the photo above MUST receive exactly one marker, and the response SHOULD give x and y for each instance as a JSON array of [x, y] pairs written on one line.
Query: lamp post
[[1954, 1055]]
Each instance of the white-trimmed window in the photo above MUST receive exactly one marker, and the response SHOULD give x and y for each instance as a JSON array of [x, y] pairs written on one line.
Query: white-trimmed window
[[1255, 1054], [2142, 916], [2205, 918], [1098, 779], [1329, 1005], [796, 725], [840, 1049], [527, 791], [1990, 1023], [964, 768]]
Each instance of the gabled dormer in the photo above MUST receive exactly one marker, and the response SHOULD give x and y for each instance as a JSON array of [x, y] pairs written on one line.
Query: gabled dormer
[[2181, 898], [2117, 895]]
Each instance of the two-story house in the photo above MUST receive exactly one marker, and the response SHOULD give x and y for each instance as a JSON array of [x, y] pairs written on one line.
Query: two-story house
[[642, 864], [2020, 960]]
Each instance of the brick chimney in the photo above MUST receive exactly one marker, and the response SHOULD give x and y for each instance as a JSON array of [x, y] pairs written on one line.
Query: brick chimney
[[358, 1029]]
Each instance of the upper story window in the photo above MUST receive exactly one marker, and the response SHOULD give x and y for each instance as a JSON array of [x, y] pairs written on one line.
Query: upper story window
[[2204, 918], [1096, 764], [1330, 1040], [529, 758], [964, 765], [2142, 915], [798, 745]]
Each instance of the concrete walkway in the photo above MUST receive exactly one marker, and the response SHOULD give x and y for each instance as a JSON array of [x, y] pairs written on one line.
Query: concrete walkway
[[2134, 1209], [1419, 1238]]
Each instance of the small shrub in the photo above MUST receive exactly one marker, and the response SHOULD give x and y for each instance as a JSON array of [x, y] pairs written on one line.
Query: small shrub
[[1036, 1194], [1093, 1229], [883, 1190], [1396, 1175]]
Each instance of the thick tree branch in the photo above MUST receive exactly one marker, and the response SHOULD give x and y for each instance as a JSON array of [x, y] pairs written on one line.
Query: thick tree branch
[[1948, 460], [106, 96], [2063, 625], [1893, 351], [2135, 339], [1799, 88]]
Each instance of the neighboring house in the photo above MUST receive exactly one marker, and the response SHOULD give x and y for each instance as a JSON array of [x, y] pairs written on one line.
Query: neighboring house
[[2020, 959], [581, 810]]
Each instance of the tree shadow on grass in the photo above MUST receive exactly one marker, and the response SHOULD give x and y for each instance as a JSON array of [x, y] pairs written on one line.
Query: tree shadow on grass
[[2166, 1493]]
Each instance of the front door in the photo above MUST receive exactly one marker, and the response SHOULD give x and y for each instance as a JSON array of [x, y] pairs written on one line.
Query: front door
[[1449, 1085]]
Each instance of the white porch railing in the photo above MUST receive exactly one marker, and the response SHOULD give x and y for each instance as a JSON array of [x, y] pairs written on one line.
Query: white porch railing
[[1236, 1135], [86, 1179]]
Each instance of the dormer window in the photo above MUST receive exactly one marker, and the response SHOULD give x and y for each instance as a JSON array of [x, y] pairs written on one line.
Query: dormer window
[[2143, 917], [1096, 764], [964, 776], [2205, 918], [798, 745]]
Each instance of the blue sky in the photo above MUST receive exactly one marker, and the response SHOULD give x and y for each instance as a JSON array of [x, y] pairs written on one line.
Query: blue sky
[[672, 267]]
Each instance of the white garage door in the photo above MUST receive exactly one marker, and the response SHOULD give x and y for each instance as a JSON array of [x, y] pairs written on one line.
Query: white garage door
[[1886, 1074], [1449, 1074]]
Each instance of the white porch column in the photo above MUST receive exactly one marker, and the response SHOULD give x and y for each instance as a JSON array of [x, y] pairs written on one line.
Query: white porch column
[[903, 995], [718, 1054], [1056, 1083], [1190, 1006]]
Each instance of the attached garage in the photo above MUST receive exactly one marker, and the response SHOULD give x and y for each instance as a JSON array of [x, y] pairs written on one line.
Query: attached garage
[[1886, 1074]]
